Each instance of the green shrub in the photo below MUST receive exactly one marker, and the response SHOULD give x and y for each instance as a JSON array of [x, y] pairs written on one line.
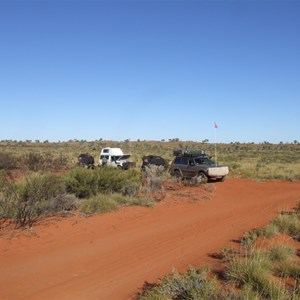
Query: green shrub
[[115, 180], [82, 182], [31, 198], [98, 204]]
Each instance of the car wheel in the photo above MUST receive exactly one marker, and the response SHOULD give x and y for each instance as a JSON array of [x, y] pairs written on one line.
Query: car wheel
[[221, 179], [177, 174], [202, 177]]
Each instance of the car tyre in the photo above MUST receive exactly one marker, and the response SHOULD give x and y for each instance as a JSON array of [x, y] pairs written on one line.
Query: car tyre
[[177, 174], [202, 177]]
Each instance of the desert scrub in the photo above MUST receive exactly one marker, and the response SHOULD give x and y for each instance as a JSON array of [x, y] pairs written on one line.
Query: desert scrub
[[250, 238], [194, 284], [115, 180], [270, 230], [284, 261], [253, 272], [154, 178], [33, 197], [82, 182], [8, 161], [288, 224], [45, 162], [138, 200], [281, 253], [97, 204]]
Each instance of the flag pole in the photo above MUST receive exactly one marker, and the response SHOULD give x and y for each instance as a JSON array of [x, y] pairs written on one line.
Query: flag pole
[[216, 156]]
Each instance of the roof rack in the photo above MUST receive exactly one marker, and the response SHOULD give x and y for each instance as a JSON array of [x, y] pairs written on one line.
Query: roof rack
[[189, 152]]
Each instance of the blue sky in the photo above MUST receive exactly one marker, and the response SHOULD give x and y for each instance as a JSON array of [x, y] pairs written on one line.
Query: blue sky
[[150, 70]]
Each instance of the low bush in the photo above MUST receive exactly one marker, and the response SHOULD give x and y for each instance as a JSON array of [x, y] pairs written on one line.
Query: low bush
[[98, 204], [280, 253], [250, 238], [3, 181], [134, 200], [43, 162], [85, 183], [254, 272], [8, 161], [154, 178], [195, 284], [33, 197], [288, 224], [115, 180], [82, 182], [270, 230]]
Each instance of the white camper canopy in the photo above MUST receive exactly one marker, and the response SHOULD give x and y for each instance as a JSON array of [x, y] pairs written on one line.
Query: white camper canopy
[[112, 151]]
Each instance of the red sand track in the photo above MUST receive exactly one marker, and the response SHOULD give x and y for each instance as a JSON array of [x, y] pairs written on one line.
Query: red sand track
[[110, 256]]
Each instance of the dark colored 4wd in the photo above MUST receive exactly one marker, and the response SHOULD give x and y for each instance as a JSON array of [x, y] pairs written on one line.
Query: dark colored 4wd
[[153, 160], [196, 165]]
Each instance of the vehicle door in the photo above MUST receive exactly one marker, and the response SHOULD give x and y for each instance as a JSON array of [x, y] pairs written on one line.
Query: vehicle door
[[191, 169], [201, 164], [184, 166]]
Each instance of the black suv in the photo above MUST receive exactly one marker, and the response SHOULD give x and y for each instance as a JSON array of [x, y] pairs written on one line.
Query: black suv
[[153, 160], [196, 164]]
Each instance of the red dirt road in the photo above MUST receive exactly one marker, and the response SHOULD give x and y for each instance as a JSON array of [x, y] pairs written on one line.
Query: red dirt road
[[110, 256]]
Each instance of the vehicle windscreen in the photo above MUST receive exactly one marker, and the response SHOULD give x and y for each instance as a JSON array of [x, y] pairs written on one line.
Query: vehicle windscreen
[[204, 161]]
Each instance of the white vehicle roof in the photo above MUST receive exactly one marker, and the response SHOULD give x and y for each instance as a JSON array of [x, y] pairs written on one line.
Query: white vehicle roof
[[112, 151]]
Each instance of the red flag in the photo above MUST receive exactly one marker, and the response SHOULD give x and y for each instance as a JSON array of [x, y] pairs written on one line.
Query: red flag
[[216, 125]]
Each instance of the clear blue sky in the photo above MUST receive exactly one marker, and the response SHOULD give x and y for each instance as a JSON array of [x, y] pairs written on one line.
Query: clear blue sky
[[150, 70]]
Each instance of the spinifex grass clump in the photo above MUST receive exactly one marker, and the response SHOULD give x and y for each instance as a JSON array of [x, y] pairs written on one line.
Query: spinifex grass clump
[[254, 272], [288, 224], [98, 204], [195, 284], [281, 253]]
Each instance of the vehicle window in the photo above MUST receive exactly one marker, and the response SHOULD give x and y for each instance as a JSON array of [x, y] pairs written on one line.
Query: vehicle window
[[184, 161], [203, 161], [105, 150], [177, 160]]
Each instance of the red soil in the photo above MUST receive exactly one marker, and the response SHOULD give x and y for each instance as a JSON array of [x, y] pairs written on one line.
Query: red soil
[[110, 256]]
